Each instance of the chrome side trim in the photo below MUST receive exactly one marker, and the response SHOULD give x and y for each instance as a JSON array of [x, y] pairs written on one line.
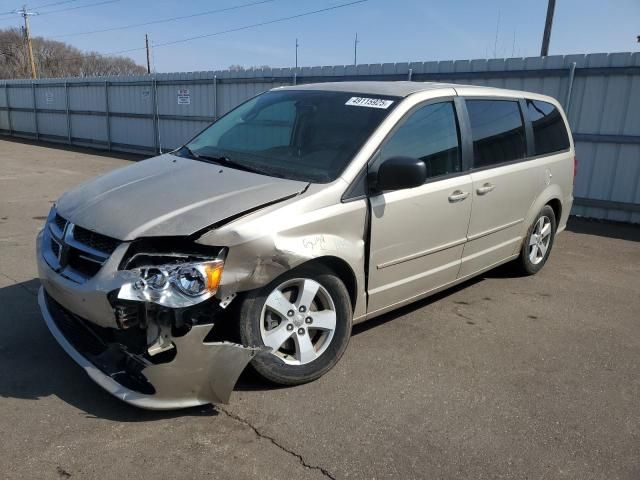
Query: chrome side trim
[[433, 291], [494, 230], [413, 277], [423, 253]]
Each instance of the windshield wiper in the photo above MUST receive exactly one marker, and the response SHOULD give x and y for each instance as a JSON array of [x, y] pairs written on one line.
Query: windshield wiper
[[191, 153], [221, 160], [227, 162]]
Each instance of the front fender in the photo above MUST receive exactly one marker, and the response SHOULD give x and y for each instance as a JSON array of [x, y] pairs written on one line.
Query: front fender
[[264, 246]]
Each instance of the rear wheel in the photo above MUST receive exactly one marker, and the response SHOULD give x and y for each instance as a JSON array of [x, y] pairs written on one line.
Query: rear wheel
[[537, 245], [304, 317]]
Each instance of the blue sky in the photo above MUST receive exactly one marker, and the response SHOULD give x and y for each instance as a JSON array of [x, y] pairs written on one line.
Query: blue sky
[[389, 30]]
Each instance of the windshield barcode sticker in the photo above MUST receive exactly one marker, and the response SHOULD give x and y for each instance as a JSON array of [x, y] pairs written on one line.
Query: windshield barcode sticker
[[369, 102]]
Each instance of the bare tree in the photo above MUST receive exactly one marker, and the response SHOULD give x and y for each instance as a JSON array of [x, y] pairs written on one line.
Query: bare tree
[[57, 59], [240, 68]]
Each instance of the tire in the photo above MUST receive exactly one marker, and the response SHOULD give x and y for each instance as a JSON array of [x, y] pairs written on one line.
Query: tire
[[533, 256], [313, 343]]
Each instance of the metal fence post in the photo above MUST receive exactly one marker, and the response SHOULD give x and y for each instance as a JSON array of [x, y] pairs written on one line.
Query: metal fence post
[[106, 111], [66, 101], [35, 110], [156, 117], [572, 76], [215, 97], [6, 99], [295, 78], [410, 74]]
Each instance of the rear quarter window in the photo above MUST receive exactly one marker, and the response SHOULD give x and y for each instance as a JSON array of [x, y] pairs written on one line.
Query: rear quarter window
[[549, 131]]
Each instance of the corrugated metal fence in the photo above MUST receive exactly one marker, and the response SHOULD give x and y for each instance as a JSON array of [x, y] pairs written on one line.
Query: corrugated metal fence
[[148, 114]]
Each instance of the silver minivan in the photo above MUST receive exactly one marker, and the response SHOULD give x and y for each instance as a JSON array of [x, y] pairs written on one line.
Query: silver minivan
[[299, 213]]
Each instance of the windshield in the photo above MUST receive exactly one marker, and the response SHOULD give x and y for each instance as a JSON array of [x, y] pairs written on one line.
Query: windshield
[[301, 135]]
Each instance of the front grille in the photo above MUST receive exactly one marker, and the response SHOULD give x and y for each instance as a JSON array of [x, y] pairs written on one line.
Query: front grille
[[60, 222], [83, 264], [95, 240], [55, 248], [77, 253]]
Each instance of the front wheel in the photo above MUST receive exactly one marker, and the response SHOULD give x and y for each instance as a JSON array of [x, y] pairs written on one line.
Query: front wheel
[[304, 317], [537, 245]]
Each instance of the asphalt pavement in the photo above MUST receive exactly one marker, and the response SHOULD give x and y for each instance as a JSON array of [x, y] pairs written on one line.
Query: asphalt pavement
[[501, 377]]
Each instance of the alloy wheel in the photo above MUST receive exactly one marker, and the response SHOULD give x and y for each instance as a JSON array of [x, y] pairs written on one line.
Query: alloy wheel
[[298, 321], [539, 240]]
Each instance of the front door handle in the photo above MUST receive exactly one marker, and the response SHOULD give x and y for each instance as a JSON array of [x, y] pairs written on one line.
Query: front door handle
[[486, 188], [458, 196]]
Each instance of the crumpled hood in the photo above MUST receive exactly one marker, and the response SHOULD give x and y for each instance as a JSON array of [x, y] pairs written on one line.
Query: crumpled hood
[[167, 196]]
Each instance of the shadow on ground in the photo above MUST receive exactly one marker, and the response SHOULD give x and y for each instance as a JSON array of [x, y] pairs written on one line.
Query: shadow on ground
[[33, 366], [621, 231], [77, 149]]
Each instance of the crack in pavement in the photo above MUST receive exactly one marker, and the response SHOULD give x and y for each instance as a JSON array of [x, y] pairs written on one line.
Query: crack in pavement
[[260, 434]]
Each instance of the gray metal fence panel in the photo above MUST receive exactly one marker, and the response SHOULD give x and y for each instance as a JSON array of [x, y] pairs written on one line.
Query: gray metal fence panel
[[601, 93], [52, 124], [22, 123], [132, 131], [88, 129]]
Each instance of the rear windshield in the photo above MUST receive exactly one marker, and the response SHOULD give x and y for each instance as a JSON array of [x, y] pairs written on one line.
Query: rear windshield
[[300, 135]]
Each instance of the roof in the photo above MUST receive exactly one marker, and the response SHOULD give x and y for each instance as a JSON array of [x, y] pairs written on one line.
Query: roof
[[393, 89], [406, 88]]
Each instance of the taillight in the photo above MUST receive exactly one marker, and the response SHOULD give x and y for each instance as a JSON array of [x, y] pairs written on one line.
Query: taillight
[[575, 169]]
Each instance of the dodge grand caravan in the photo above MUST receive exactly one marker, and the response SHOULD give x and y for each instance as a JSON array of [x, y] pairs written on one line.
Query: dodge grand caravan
[[302, 211]]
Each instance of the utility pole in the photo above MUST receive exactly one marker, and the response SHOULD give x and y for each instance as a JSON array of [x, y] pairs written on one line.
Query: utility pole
[[297, 53], [544, 51], [146, 45], [27, 33], [355, 49]]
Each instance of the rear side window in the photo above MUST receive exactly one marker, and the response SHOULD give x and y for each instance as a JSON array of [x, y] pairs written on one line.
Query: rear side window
[[430, 133], [549, 132], [497, 130]]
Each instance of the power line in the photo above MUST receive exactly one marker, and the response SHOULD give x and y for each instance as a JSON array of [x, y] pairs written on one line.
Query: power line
[[97, 4], [53, 4], [246, 27], [164, 20], [222, 32]]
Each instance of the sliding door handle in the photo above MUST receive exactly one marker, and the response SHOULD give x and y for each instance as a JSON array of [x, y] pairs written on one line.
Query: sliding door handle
[[486, 188], [458, 196]]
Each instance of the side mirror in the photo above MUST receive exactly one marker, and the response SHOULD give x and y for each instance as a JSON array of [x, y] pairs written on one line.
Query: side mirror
[[397, 173]]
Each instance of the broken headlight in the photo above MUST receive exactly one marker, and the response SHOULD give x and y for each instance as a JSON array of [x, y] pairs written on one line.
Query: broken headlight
[[174, 285]]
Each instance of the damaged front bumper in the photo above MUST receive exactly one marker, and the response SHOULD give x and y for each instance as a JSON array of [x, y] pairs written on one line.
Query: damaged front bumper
[[200, 373]]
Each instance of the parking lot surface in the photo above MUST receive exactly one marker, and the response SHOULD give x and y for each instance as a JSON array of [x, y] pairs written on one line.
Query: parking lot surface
[[502, 377]]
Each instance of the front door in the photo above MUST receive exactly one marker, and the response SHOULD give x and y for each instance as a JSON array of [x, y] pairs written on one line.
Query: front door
[[418, 234]]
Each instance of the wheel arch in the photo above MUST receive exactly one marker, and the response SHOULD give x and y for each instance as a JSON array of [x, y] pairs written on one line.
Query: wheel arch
[[342, 270], [556, 204], [551, 196]]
